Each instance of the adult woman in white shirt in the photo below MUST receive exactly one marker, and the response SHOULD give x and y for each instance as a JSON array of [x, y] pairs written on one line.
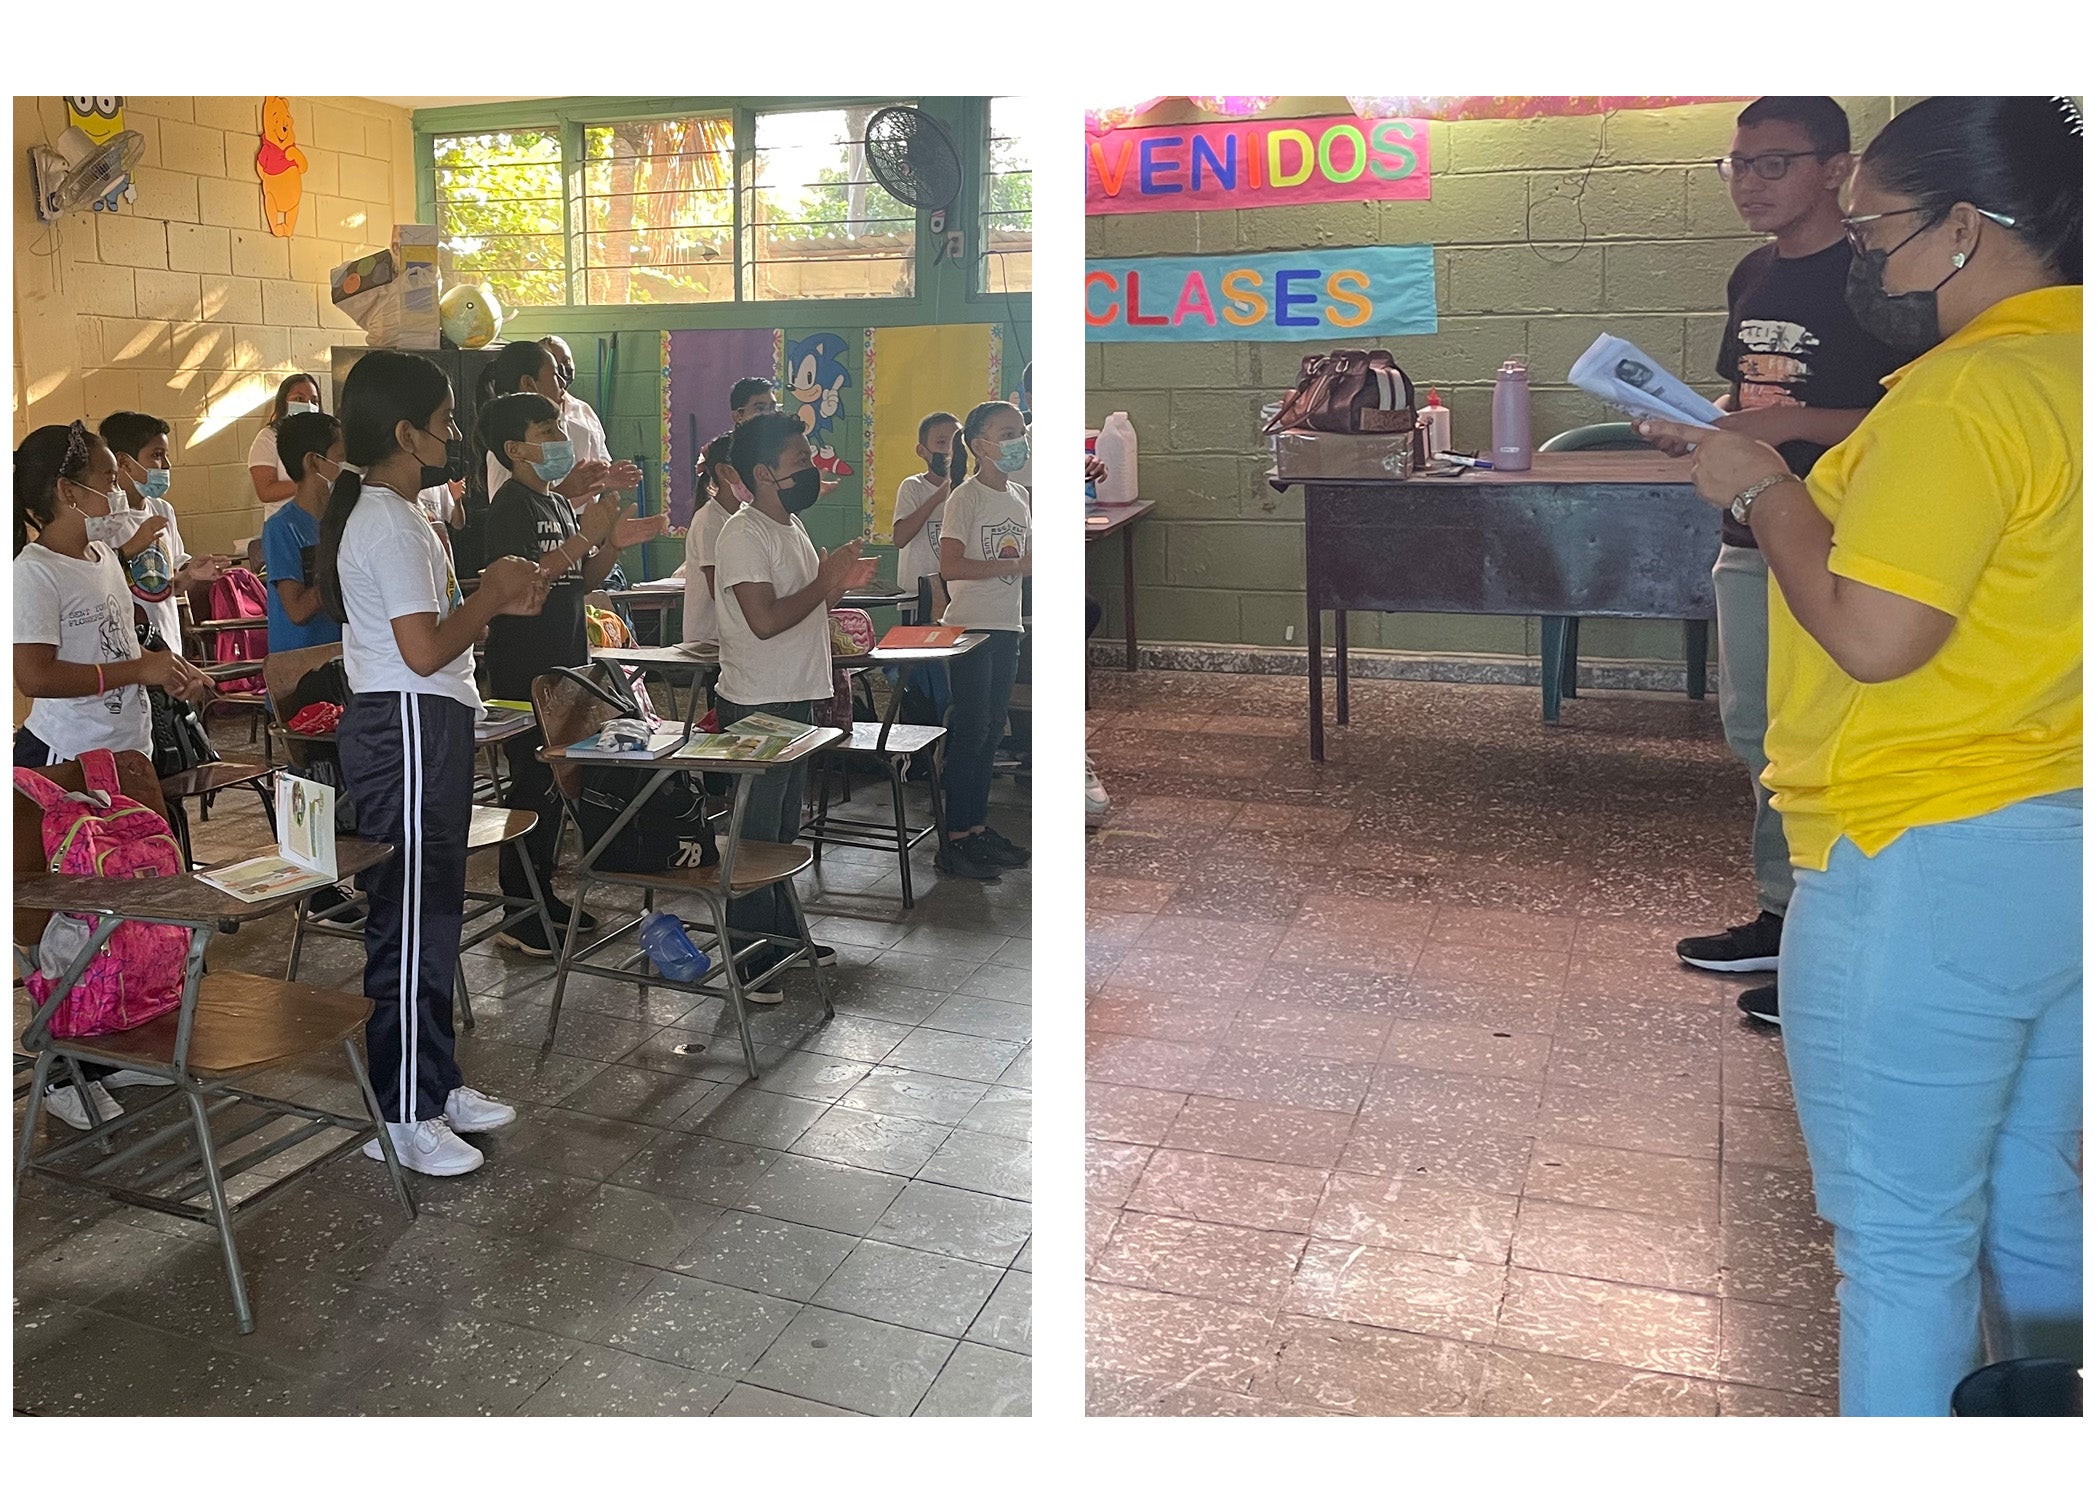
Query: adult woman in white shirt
[[297, 392]]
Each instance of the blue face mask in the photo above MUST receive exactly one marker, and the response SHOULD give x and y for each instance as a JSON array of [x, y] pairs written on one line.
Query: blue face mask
[[1013, 455], [155, 484], [555, 461]]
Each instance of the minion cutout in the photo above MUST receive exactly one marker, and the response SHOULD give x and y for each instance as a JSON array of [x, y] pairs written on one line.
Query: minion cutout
[[94, 120], [816, 376]]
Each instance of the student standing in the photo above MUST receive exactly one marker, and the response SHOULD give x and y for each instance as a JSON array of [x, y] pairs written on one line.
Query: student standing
[[775, 592], [310, 446], [713, 504], [984, 556], [1927, 754], [139, 443], [1801, 373], [274, 486], [917, 528], [407, 742], [76, 654], [575, 550]]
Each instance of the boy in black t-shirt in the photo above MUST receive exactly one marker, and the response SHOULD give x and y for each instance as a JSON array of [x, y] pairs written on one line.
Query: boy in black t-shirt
[[576, 549], [1801, 373]]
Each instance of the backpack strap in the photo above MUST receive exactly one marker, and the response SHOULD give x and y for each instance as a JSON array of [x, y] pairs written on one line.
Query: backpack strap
[[41, 790], [100, 769]]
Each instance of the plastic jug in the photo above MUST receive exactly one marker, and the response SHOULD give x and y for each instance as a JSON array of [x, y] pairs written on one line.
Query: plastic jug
[[1512, 417], [665, 940], [1116, 447]]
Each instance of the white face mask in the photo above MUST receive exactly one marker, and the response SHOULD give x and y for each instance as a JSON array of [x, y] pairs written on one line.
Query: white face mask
[[295, 408], [106, 527]]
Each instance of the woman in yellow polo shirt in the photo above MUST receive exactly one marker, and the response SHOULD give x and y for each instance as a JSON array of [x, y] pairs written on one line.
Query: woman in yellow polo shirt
[[1925, 743]]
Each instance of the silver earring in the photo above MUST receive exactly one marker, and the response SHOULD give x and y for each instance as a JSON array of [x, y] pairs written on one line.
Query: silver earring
[[1961, 258]]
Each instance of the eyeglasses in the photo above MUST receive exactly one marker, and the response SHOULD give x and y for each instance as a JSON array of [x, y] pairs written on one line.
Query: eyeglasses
[[1859, 241], [1771, 166]]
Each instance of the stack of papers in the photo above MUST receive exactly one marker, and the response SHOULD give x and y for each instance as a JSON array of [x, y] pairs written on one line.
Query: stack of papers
[[1619, 373], [753, 737]]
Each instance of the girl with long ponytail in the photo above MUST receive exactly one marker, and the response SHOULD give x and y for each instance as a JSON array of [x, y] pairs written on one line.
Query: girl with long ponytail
[[407, 742], [984, 555]]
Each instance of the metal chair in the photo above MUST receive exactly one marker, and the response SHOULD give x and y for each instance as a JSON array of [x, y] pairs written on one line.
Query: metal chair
[[1559, 634]]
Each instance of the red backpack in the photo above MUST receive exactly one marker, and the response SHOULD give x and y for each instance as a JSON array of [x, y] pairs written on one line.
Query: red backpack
[[101, 832], [238, 595]]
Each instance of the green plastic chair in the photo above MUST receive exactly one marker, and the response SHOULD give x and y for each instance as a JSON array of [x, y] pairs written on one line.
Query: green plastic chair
[[1559, 634]]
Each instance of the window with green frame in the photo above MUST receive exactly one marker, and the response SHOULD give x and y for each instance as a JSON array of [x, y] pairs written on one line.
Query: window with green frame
[[1009, 202], [678, 209]]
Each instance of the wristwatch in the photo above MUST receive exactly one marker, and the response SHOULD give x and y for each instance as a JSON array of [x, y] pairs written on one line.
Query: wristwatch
[[1740, 506]]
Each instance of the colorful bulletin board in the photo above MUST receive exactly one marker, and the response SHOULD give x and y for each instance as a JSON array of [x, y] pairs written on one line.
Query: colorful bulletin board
[[1256, 164], [700, 365], [905, 374], [1304, 294]]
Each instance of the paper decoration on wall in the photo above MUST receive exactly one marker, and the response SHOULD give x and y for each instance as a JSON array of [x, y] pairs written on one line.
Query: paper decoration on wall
[[908, 373], [1233, 106], [1336, 295], [1103, 118], [816, 385], [93, 120], [1256, 164], [1517, 107], [699, 367], [282, 166]]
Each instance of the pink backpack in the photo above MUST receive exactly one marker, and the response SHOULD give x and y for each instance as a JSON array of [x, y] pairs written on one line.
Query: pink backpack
[[138, 974], [238, 595]]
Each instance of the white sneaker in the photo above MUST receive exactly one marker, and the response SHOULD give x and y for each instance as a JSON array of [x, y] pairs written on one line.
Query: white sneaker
[[468, 1110], [1096, 795], [132, 1078], [429, 1147], [66, 1103]]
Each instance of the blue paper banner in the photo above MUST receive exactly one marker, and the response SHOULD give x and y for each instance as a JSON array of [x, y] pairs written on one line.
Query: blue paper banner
[[1328, 295]]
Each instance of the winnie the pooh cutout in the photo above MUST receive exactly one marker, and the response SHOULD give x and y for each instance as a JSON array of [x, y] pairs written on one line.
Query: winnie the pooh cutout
[[282, 166], [470, 316]]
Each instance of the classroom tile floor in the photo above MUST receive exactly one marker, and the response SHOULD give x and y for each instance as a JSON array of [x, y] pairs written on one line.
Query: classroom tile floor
[[847, 1235], [1399, 1102]]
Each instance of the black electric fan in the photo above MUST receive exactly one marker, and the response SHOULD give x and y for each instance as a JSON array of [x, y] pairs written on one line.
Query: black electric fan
[[913, 157]]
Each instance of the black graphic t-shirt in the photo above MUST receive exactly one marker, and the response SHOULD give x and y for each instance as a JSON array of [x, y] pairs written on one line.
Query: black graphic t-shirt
[[523, 523], [1791, 341]]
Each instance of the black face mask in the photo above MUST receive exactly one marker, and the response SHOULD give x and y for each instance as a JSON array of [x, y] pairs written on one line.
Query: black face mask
[[452, 471], [937, 466], [1908, 322], [798, 492]]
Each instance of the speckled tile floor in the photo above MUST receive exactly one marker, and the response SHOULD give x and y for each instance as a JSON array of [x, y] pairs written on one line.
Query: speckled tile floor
[[1398, 1101], [847, 1235]]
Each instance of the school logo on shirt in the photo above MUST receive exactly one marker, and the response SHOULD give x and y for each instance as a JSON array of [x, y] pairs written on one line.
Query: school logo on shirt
[[1004, 541], [1774, 365]]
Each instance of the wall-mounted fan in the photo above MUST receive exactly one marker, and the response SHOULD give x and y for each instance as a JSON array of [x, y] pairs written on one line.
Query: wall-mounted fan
[[915, 160], [79, 173]]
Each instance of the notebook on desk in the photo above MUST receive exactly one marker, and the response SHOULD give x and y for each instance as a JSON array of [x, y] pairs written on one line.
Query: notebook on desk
[[901, 637]]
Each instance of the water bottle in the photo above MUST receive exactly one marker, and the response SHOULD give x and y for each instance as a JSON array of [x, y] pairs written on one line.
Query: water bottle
[[1512, 417], [665, 940]]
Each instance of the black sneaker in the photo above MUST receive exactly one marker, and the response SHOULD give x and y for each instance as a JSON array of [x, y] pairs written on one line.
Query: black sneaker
[[529, 938], [558, 919], [331, 905], [993, 848], [1760, 1004], [1752, 948], [962, 859], [827, 957]]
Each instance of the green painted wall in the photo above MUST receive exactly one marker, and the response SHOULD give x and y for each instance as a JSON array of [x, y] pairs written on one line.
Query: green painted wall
[[1548, 232], [633, 412]]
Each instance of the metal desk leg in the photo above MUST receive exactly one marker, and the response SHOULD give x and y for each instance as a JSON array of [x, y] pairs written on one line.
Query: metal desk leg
[[1695, 659], [1130, 598], [1341, 666], [1553, 658], [1315, 710]]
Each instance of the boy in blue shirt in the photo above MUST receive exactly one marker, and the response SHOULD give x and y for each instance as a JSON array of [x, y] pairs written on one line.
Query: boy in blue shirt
[[310, 446]]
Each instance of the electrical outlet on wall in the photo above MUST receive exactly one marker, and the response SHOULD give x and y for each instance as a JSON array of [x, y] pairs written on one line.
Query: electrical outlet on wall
[[954, 244], [1290, 633]]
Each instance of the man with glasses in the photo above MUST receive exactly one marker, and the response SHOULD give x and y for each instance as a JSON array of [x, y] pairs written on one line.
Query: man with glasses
[[1801, 375]]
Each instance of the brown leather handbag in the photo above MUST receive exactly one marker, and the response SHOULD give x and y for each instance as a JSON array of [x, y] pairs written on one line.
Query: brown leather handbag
[[1349, 390]]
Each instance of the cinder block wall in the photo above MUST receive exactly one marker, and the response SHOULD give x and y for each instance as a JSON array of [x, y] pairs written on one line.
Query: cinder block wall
[[1547, 233], [183, 304]]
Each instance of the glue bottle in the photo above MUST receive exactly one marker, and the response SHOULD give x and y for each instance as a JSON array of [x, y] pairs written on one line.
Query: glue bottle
[[1437, 418], [1512, 417]]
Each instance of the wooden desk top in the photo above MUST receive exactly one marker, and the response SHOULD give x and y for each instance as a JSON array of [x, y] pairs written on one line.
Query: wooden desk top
[[809, 745], [658, 656], [1107, 520], [878, 598], [891, 656], [213, 776], [180, 898]]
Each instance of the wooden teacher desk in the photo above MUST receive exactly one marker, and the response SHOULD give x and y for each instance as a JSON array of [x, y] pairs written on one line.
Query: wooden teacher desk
[[1610, 535], [1105, 521]]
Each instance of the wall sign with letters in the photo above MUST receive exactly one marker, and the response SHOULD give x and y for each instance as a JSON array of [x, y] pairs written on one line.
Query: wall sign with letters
[[1333, 295], [1256, 164]]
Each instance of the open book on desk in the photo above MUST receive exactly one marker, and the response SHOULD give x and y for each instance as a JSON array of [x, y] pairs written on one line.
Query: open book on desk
[[661, 743], [305, 857], [753, 737], [1618, 372]]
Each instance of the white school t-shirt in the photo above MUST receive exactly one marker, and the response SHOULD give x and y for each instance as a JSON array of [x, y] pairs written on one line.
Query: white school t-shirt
[[701, 538], [921, 556], [390, 563], [83, 607], [795, 665], [166, 614], [992, 526], [261, 452]]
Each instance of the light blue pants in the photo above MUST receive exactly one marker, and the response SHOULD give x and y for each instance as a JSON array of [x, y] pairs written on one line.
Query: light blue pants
[[1933, 1034], [1743, 632]]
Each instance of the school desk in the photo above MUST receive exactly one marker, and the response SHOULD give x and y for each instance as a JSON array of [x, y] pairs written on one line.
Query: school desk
[[672, 665], [1582, 534], [1104, 521]]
